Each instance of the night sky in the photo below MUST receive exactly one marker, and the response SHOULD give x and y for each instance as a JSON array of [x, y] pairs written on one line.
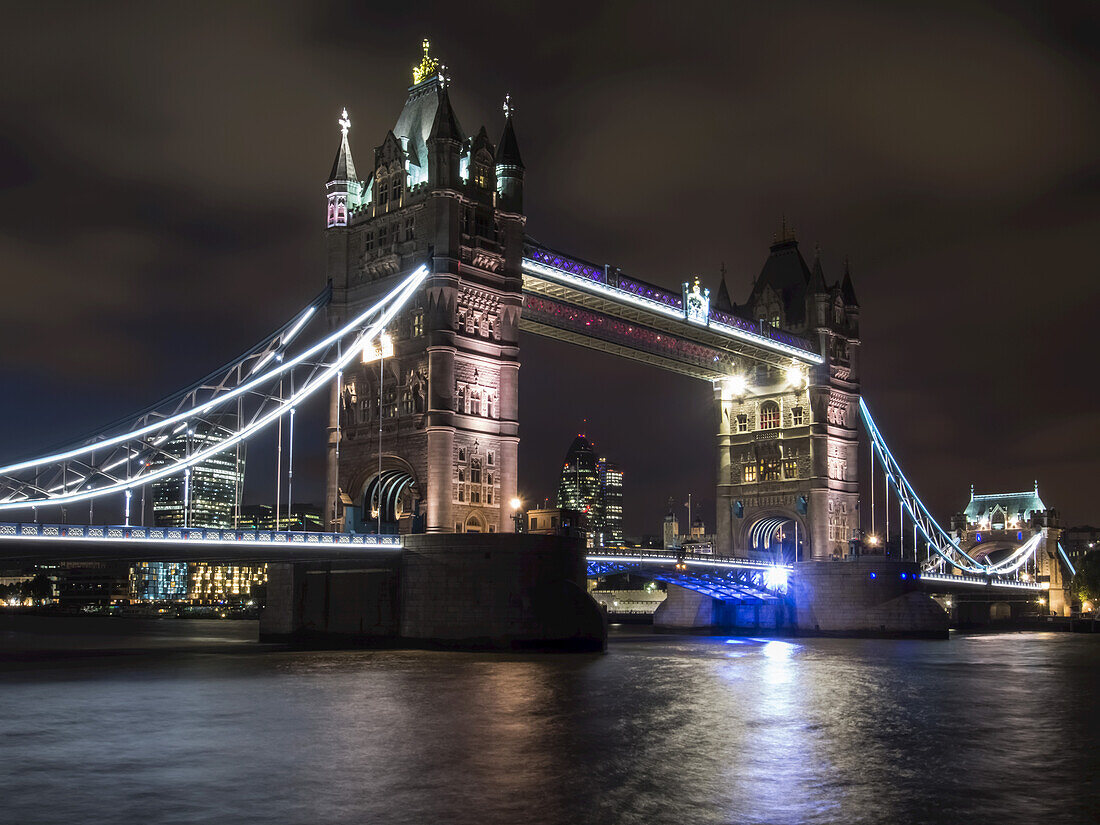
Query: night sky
[[161, 206]]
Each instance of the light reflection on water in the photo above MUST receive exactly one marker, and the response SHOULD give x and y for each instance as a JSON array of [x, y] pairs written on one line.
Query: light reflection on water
[[660, 730]]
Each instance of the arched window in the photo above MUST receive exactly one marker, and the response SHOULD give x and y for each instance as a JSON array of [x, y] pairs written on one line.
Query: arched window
[[769, 415], [489, 406], [461, 407]]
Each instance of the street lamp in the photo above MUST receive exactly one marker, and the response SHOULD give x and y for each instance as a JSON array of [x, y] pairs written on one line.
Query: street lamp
[[517, 515]]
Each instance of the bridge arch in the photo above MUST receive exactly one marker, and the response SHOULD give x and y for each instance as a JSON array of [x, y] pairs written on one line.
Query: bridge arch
[[777, 534], [391, 494]]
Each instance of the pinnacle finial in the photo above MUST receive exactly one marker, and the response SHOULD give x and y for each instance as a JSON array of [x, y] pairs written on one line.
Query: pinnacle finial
[[429, 66], [508, 107], [345, 122]]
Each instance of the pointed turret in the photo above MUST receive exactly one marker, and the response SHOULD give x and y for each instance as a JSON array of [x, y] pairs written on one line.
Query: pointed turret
[[817, 276], [722, 301], [343, 189], [444, 144], [510, 167], [847, 291]]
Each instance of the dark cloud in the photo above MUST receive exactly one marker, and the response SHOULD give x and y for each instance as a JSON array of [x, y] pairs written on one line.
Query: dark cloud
[[160, 203]]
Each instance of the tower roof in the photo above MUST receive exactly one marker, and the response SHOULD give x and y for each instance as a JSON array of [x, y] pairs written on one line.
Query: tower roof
[[1012, 505], [418, 118], [343, 167], [785, 271], [508, 148]]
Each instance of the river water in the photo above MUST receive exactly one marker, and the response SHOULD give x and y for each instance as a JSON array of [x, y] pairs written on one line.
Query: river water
[[109, 720]]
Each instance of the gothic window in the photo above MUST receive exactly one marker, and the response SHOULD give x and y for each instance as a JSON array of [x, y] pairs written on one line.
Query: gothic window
[[395, 188], [489, 458], [774, 320], [477, 325], [406, 402], [489, 327], [489, 478], [797, 416], [769, 415], [382, 239], [475, 471], [461, 474], [790, 468], [383, 193], [769, 469], [742, 423], [475, 497], [481, 176], [489, 406], [461, 453], [461, 407], [489, 500], [368, 243], [409, 229], [838, 314], [749, 473], [418, 324], [475, 403], [461, 494]]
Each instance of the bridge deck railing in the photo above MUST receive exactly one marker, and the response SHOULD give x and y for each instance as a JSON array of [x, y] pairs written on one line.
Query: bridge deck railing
[[185, 535]]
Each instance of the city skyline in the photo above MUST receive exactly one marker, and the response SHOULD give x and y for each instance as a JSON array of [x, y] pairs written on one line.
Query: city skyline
[[934, 237]]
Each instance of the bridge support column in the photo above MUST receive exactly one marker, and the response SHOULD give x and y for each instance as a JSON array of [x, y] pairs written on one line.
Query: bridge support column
[[723, 533], [332, 465], [867, 596], [473, 591], [440, 468]]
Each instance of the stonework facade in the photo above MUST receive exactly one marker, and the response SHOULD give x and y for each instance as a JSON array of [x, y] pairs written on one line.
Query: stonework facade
[[788, 440], [447, 397]]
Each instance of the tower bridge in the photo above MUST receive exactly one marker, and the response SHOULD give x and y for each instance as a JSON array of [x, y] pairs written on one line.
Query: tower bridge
[[432, 278]]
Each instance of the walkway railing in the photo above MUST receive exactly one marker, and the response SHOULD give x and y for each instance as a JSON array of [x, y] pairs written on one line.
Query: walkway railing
[[19, 531]]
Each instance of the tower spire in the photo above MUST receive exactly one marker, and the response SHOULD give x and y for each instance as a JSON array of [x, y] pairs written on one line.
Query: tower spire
[[509, 163], [343, 188]]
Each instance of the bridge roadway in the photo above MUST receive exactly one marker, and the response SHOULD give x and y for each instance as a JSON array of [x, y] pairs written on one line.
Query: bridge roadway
[[719, 576]]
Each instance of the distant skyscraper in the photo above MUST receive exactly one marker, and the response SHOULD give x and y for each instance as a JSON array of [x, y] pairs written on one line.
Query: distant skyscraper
[[208, 496], [593, 486], [610, 509]]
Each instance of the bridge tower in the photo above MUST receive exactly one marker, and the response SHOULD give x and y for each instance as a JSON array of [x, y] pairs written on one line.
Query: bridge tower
[[424, 436], [788, 439], [995, 525]]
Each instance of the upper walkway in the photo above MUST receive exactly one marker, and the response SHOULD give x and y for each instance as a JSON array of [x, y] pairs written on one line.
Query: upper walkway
[[601, 308]]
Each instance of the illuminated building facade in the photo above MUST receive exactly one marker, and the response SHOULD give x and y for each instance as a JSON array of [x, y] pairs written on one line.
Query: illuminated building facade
[[427, 437], [157, 581], [302, 517], [610, 512], [788, 480]]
